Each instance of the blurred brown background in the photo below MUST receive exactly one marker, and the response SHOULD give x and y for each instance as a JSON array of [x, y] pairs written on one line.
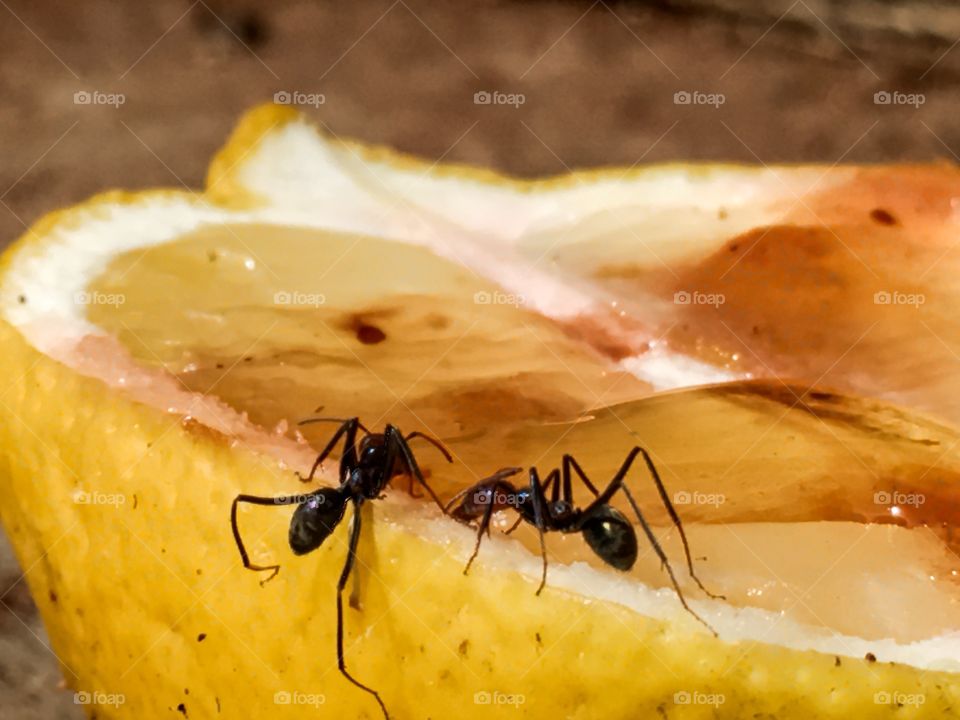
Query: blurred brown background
[[102, 94]]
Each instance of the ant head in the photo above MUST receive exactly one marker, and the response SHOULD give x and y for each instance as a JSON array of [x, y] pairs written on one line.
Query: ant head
[[611, 536], [315, 518], [495, 490], [472, 503]]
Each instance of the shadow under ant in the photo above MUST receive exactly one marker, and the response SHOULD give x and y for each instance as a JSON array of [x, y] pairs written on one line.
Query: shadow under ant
[[606, 530], [364, 473]]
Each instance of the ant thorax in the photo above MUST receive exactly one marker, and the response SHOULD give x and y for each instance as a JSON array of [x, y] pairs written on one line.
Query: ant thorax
[[366, 481], [561, 510]]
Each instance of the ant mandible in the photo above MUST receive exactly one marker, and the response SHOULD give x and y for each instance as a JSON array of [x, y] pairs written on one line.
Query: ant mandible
[[364, 473], [607, 531]]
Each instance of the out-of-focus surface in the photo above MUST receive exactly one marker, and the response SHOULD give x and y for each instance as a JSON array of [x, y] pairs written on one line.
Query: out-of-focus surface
[[99, 95]]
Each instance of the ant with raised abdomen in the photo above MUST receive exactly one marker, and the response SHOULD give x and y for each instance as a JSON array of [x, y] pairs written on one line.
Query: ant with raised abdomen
[[607, 531], [364, 473]]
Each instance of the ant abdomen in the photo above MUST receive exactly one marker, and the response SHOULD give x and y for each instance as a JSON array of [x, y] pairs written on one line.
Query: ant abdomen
[[612, 537], [315, 518]]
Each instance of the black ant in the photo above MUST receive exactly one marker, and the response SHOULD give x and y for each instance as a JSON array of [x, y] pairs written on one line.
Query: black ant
[[607, 531], [364, 472]]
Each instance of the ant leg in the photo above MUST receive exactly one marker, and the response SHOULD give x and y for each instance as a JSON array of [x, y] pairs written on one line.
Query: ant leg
[[341, 584], [483, 527], [412, 489], [665, 498], [456, 498], [255, 500], [342, 421], [616, 483], [507, 490], [492, 485], [515, 525], [437, 444], [663, 557], [395, 440], [348, 426], [604, 498], [539, 505], [433, 441], [554, 476], [568, 463], [504, 473]]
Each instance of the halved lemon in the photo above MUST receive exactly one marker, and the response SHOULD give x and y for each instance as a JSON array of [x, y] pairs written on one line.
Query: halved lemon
[[161, 347]]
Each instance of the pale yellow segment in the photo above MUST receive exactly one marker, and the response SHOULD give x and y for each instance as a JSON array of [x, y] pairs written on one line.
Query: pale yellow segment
[[281, 321]]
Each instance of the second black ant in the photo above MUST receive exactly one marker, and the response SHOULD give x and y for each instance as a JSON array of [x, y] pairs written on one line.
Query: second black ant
[[607, 531]]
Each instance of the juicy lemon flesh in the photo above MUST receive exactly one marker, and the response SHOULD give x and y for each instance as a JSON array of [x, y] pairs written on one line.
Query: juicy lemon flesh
[[284, 323], [853, 287]]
